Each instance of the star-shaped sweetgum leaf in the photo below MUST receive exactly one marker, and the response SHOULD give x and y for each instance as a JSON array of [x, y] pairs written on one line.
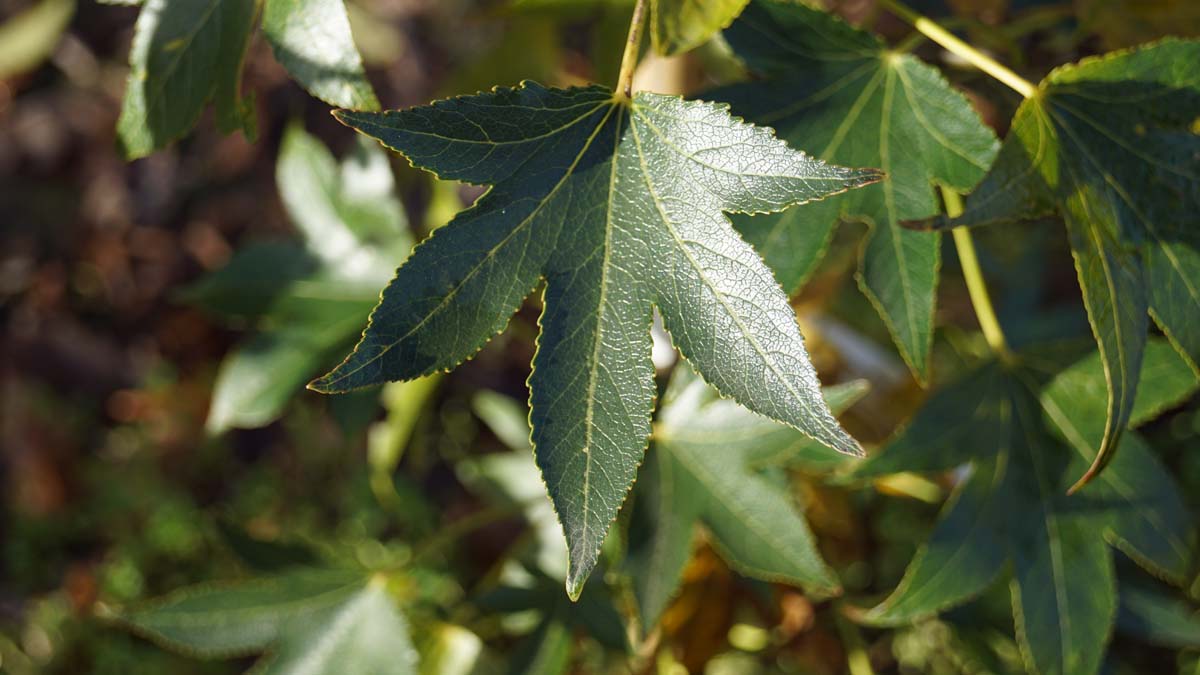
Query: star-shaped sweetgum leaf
[[1025, 435], [619, 206], [1110, 144]]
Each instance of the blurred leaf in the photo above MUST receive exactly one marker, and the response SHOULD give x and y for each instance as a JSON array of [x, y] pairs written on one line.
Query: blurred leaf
[[678, 26], [319, 622], [594, 613], [546, 652], [507, 418], [1125, 23], [30, 37], [454, 650], [1012, 509], [310, 303], [265, 556], [1152, 613], [261, 375], [697, 471], [527, 49], [404, 402], [516, 478], [588, 193], [183, 55], [312, 39], [1107, 143], [348, 215], [844, 95]]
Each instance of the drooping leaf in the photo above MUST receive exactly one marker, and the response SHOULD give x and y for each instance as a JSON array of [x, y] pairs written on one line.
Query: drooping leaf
[[1109, 144], [1011, 513], [681, 25], [185, 54], [706, 467], [310, 303], [619, 205], [311, 621], [842, 94], [312, 39]]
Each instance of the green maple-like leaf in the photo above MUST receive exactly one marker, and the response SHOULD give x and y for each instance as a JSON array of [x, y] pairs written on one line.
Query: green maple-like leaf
[[677, 26], [1109, 144], [618, 205], [843, 95], [183, 55], [312, 39], [706, 467], [1024, 441], [309, 302], [306, 621]]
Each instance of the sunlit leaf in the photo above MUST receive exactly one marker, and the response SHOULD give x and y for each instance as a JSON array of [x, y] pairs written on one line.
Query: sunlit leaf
[[619, 206]]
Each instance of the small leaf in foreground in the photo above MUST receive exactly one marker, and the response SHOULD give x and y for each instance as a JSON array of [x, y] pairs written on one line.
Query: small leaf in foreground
[[185, 54], [314, 621], [1024, 441], [841, 93], [1109, 144], [706, 465], [618, 205]]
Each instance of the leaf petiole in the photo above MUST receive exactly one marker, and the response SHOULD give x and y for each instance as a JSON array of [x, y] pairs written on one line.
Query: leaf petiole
[[632, 47], [946, 39], [976, 286]]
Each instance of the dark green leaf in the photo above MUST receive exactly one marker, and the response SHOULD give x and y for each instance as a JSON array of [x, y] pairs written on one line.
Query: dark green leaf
[[840, 93], [310, 621], [1109, 144], [618, 205], [699, 471], [263, 555], [312, 39], [1011, 512], [546, 652], [184, 54], [1154, 614]]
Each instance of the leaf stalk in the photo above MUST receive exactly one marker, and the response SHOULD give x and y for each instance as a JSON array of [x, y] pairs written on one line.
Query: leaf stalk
[[981, 300], [632, 48], [932, 30]]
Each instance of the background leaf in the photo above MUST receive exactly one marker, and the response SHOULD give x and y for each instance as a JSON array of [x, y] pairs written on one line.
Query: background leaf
[[1109, 143], [312, 39], [185, 54], [841, 94]]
